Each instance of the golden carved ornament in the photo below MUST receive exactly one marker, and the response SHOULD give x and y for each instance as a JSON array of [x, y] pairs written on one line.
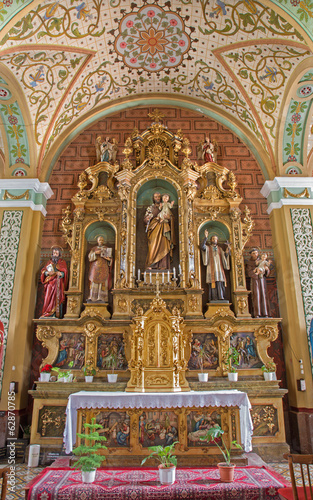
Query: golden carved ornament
[[50, 339], [223, 313], [211, 193], [247, 226], [67, 226], [123, 192], [242, 304], [191, 191], [72, 304], [193, 303], [235, 214], [9, 196], [193, 282], [121, 281], [46, 333], [128, 149], [157, 380], [79, 214], [91, 330], [267, 332], [156, 115], [122, 305], [305, 194]]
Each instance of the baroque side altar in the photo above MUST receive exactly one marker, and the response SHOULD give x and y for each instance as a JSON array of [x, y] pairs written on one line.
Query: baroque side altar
[[157, 290]]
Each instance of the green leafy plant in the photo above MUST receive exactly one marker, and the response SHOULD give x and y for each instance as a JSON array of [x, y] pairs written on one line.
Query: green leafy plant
[[232, 359], [63, 373], [164, 454], [88, 371], [111, 362], [216, 432], [88, 452], [269, 367]]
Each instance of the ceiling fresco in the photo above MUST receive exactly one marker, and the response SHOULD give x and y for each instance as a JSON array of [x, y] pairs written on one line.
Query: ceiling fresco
[[235, 60]]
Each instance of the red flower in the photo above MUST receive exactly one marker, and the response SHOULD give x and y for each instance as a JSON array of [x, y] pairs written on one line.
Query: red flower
[[181, 43], [129, 24], [173, 22], [46, 369], [151, 13], [152, 65], [172, 59], [123, 45], [133, 60]]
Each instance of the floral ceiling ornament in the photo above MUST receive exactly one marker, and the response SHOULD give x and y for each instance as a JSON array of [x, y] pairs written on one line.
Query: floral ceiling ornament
[[152, 39]]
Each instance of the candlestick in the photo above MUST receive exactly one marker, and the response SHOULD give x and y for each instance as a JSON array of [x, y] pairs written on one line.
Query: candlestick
[[174, 272], [162, 277], [134, 270], [144, 276], [150, 277], [168, 276], [138, 274], [179, 269]]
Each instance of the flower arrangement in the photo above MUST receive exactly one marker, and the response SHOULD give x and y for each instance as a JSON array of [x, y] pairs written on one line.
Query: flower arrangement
[[46, 369], [89, 371], [269, 367]]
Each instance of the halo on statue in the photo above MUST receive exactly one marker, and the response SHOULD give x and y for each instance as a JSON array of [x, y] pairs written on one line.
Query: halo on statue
[[58, 247]]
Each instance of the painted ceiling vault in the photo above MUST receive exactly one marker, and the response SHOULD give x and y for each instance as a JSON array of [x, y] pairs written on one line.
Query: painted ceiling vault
[[64, 65]]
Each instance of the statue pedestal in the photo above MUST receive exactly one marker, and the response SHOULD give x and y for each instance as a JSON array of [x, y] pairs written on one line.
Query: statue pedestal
[[96, 309], [218, 307]]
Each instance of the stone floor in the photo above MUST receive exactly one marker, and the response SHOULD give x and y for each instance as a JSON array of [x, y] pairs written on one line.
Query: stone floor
[[23, 473]]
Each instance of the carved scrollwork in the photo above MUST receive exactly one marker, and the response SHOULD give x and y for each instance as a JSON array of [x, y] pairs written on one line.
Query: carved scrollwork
[[247, 227], [67, 226]]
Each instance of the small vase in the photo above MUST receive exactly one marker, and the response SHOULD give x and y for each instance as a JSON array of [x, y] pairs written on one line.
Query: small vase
[[203, 377], [112, 378], [88, 378], [45, 376], [88, 476], [167, 474], [269, 376], [233, 376], [226, 472]]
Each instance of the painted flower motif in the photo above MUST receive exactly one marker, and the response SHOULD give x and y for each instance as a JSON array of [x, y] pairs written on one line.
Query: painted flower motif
[[296, 117], [19, 173], [13, 120], [82, 12], [3, 93], [306, 91], [38, 77], [160, 40], [19, 160], [7, 3], [292, 158]]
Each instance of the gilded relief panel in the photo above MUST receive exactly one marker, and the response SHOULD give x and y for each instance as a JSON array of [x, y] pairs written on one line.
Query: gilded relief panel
[[265, 420], [157, 428], [198, 423], [204, 349], [71, 349], [245, 344], [111, 350], [51, 421], [146, 303], [116, 428]]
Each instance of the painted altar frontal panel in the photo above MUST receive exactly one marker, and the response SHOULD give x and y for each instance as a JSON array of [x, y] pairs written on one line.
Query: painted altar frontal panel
[[204, 348], [71, 350], [245, 344], [132, 431], [108, 346]]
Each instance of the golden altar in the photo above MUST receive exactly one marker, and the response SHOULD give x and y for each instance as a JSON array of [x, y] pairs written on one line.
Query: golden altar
[[155, 321]]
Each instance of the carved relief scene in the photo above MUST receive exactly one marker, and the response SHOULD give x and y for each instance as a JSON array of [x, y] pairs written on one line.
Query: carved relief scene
[[204, 352], [158, 428], [198, 424]]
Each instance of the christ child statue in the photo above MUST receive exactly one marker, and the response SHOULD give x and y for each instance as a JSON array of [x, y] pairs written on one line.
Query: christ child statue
[[165, 207], [263, 265]]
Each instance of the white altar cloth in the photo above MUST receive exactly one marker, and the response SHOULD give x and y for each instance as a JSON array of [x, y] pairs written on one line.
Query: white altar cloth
[[201, 399]]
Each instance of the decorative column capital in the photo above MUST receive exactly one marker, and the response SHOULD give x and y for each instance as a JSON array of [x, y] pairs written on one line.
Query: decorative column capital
[[288, 191], [20, 193]]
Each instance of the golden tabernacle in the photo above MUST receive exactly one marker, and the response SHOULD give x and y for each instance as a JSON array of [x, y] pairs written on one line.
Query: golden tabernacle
[[157, 295]]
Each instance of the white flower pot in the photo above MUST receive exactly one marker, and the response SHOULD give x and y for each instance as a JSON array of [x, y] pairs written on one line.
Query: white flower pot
[[89, 476], [203, 377], [269, 376], [88, 378], [44, 376], [112, 378], [233, 376], [167, 474], [69, 378]]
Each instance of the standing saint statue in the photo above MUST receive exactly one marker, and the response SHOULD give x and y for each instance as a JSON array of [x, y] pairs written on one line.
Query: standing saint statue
[[207, 150], [160, 233], [106, 150], [215, 260], [258, 284], [99, 271], [54, 277]]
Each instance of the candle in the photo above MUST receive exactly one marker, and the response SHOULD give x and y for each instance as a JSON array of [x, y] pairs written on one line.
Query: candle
[[174, 272], [150, 277], [179, 269], [162, 277], [168, 276], [138, 274], [134, 271], [144, 276]]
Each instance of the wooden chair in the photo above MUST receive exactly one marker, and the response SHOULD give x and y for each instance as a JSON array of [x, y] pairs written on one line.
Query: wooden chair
[[304, 492], [4, 476]]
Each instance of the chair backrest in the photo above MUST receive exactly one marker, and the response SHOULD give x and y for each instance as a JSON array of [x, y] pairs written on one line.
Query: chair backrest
[[305, 461], [4, 476]]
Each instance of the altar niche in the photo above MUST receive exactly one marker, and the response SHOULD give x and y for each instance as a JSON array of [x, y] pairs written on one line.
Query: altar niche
[[161, 233], [99, 264]]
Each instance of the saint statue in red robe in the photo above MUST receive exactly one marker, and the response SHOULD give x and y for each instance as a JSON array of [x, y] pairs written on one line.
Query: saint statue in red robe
[[54, 276]]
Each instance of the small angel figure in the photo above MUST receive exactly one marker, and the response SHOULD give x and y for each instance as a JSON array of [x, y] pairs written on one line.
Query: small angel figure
[[263, 265], [207, 150], [165, 207]]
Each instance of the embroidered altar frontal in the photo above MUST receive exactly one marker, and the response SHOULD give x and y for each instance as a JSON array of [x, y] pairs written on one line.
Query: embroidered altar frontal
[[250, 483]]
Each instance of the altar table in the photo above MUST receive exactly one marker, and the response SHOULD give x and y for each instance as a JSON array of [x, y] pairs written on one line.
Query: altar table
[[199, 399], [250, 483]]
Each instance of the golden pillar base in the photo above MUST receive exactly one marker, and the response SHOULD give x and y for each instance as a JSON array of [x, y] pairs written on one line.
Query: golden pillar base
[[151, 380], [96, 309], [218, 307]]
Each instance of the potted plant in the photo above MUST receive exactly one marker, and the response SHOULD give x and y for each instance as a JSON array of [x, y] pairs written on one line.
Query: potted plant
[[226, 469], [168, 462], [45, 373], [269, 371], [112, 363], [64, 375], [232, 361], [90, 460], [203, 377], [89, 372]]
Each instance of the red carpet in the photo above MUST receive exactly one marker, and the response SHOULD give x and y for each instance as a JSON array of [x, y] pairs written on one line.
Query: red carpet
[[251, 483]]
